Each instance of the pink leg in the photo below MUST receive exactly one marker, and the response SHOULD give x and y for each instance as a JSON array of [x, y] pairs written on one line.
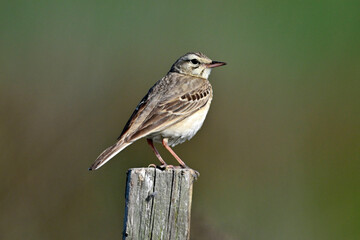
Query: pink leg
[[165, 144], [157, 154]]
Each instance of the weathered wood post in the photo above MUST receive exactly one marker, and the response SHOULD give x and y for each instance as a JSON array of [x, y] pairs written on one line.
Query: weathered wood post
[[158, 203]]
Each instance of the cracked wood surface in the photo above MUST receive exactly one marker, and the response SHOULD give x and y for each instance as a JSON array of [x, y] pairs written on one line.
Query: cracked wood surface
[[158, 204]]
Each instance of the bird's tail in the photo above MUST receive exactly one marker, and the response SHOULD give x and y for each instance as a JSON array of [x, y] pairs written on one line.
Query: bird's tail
[[109, 153]]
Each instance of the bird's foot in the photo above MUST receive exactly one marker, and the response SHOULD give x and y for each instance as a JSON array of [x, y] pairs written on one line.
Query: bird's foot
[[162, 167], [166, 167], [152, 165], [194, 173]]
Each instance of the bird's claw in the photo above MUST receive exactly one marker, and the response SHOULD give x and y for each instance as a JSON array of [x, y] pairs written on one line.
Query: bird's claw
[[162, 167], [193, 172], [166, 167]]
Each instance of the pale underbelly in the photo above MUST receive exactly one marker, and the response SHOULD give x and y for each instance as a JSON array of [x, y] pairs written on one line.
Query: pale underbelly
[[184, 130]]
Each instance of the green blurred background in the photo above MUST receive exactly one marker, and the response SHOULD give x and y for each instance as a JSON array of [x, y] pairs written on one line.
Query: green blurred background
[[278, 154]]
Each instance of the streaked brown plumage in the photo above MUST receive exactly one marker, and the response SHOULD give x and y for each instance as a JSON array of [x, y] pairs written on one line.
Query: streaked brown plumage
[[172, 111]]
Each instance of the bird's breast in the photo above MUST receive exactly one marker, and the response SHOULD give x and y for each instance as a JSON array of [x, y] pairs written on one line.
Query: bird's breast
[[185, 129]]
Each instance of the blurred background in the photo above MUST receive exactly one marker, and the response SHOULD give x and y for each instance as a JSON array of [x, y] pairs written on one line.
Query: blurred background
[[279, 153]]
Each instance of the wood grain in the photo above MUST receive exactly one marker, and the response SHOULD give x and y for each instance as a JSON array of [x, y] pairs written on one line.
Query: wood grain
[[158, 203]]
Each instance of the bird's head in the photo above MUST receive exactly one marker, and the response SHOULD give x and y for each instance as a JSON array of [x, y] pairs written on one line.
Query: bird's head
[[195, 64]]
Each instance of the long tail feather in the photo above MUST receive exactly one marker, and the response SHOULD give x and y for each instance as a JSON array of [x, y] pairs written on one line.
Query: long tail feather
[[109, 153]]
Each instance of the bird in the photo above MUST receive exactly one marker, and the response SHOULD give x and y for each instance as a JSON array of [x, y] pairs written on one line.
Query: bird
[[172, 111]]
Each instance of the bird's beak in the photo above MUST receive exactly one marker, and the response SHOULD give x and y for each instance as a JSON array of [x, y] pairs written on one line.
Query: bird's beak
[[215, 64]]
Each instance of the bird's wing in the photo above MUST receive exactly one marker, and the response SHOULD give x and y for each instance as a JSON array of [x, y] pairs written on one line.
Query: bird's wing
[[171, 100]]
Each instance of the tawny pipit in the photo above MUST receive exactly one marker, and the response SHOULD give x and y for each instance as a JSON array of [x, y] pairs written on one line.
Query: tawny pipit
[[172, 111]]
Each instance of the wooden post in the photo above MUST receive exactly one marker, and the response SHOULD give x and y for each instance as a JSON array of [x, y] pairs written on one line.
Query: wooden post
[[158, 203]]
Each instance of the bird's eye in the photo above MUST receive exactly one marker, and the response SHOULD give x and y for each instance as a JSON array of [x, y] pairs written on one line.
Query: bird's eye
[[194, 61]]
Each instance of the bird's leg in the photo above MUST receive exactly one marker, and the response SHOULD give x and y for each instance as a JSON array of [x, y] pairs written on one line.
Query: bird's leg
[[157, 154], [165, 144], [195, 173]]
